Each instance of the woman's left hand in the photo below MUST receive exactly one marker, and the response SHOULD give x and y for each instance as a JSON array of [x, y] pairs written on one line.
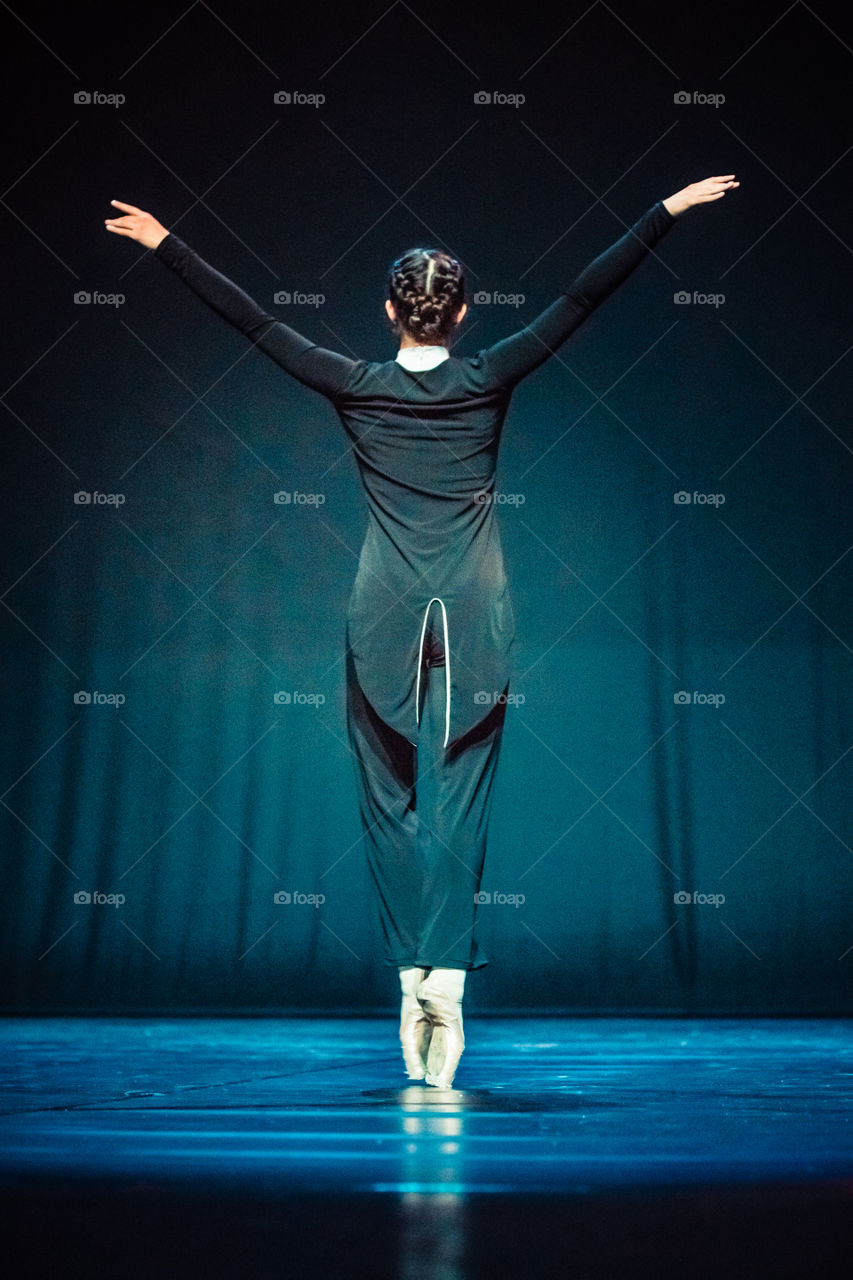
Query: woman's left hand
[[700, 193]]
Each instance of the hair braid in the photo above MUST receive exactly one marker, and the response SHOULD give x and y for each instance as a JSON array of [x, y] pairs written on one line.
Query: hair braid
[[426, 288]]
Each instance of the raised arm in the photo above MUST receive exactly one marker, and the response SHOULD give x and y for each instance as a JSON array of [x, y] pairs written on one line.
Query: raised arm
[[316, 367], [514, 357]]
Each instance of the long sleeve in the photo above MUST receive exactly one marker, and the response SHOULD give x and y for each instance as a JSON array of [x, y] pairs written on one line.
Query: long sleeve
[[316, 367], [514, 357]]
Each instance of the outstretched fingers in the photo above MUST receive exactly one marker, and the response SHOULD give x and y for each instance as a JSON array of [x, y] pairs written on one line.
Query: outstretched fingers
[[714, 188], [121, 226], [137, 224], [128, 225]]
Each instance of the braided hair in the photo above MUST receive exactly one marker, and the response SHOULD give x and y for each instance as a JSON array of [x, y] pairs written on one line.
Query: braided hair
[[426, 287]]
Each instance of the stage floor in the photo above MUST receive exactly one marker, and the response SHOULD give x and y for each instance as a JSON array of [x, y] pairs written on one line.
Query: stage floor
[[274, 1146]]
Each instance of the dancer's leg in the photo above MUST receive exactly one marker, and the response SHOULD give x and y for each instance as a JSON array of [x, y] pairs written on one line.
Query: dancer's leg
[[426, 861], [440, 997], [454, 793], [416, 1026], [454, 790], [385, 763]]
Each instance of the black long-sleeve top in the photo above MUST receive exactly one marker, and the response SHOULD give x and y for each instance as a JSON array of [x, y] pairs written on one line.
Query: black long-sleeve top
[[426, 444]]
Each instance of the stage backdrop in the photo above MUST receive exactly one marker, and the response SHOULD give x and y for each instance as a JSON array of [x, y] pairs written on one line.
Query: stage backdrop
[[671, 829]]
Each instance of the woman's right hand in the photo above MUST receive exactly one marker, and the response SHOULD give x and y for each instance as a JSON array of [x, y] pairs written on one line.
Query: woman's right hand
[[137, 224]]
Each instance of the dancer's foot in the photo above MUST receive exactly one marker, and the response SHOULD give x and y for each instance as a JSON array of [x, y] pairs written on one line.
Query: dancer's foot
[[440, 997], [415, 1026]]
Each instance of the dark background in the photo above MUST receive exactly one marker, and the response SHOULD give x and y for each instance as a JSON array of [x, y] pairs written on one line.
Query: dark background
[[198, 598]]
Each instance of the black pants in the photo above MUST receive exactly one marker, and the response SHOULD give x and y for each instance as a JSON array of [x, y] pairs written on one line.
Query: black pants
[[425, 814]]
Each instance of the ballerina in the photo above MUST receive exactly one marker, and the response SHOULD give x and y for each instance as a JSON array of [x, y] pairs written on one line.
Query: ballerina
[[430, 624]]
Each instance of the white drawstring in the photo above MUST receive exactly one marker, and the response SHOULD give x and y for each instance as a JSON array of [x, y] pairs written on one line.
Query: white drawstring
[[446, 669]]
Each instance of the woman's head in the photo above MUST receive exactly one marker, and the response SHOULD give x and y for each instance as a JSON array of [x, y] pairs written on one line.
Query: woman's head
[[426, 295]]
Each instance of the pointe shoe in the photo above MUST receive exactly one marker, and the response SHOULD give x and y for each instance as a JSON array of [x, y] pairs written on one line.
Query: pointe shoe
[[440, 997], [415, 1026]]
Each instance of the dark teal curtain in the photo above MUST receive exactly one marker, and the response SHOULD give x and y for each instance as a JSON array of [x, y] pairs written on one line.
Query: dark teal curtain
[[671, 829]]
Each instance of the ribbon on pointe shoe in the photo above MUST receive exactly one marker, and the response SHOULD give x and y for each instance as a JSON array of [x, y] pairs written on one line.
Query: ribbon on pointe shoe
[[440, 997]]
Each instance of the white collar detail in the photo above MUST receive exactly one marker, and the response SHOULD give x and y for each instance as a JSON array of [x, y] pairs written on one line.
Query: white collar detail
[[422, 357]]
